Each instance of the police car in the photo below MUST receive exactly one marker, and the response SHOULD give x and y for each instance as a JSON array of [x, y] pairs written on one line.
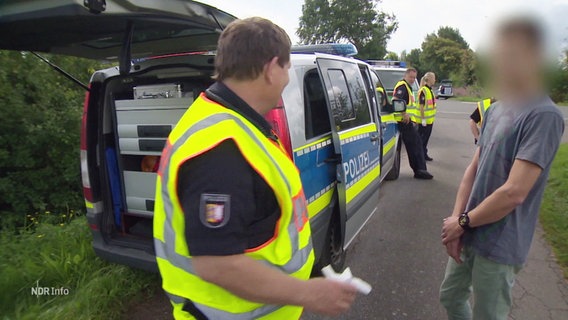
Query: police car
[[391, 72], [445, 90], [329, 118]]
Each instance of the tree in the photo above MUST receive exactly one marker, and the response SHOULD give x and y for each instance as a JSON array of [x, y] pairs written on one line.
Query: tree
[[413, 59], [446, 53], [391, 56], [356, 21], [40, 117]]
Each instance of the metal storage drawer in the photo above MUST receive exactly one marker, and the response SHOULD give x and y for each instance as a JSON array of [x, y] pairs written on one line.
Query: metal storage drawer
[[144, 125], [140, 188]]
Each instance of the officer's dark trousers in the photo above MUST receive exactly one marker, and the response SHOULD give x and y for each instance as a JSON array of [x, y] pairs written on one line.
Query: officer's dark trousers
[[413, 144], [425, 133]]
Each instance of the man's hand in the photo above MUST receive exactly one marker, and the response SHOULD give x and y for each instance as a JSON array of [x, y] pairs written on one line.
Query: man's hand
[[424, 122], [405, 118], [328, 297], [454, 249], [451, 229]]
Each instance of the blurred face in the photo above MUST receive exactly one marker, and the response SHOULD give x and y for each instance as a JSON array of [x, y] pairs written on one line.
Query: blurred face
[[515, 62], [410, 77], [432, 80], [276, 79]]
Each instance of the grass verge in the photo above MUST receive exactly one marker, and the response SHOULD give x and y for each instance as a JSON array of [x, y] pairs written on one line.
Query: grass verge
[[467, 98], [554, 212], [61, 257]]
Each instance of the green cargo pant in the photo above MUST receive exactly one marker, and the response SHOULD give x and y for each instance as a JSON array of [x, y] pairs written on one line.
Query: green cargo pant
[[490, 282]]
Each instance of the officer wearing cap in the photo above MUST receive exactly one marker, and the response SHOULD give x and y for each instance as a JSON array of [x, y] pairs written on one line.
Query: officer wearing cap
[[408, 127], [231, 231]]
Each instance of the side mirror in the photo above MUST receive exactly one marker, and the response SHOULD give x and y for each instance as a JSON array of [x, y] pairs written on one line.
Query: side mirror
[[398, 105]]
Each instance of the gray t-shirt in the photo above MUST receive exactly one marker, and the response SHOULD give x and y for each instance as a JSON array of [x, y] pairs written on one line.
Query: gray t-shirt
[[531, 132]]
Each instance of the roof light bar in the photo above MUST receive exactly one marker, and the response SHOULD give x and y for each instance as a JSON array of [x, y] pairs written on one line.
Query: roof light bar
[[387, 63], [338, 49]]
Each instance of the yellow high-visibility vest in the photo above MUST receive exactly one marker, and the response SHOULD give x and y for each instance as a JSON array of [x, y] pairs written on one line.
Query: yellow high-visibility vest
[[411, 108], [386, 118], [482, 106], [429, 106], [204, 125]]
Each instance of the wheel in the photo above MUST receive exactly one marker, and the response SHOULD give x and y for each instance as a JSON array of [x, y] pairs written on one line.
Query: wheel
[[395, 170], [333, 253]]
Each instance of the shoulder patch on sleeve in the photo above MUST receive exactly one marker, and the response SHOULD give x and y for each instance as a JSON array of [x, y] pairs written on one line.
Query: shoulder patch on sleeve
[[215, 210]]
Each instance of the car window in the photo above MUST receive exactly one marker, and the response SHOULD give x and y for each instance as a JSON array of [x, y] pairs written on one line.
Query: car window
[[315, 106], [389, 78], [351, 107]]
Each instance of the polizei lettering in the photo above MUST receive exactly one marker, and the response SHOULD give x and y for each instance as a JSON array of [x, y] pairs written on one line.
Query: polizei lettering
[[356, 166]]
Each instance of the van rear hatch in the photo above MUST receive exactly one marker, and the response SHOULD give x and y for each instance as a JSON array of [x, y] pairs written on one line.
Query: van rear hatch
[[102, 30]]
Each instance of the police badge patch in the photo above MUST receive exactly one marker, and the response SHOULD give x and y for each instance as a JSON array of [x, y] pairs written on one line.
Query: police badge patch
[[214, 210]]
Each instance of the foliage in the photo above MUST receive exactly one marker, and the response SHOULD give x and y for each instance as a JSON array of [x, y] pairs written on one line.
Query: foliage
[[559, 81], [39, 134], [554, 210], [62, 257], [413, 60], [392, 56], [448, 55], [356, 21]]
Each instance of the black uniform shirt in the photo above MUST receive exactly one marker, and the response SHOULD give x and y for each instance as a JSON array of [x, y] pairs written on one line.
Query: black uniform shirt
[[476, 116], [252, 209], [402, 93]]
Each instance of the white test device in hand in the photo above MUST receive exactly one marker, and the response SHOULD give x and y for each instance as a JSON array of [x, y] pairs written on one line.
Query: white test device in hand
[[347, 277]]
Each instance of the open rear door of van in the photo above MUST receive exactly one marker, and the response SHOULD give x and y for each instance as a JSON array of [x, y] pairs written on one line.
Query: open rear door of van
[[110, 30]]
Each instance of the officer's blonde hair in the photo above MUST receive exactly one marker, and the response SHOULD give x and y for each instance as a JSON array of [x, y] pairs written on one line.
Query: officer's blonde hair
[[426, 77]]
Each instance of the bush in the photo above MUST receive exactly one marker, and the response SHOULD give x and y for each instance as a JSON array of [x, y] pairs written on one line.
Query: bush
[[39, 135]]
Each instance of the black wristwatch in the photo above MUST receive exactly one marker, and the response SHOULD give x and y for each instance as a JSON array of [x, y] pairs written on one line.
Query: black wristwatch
[[464, 221]]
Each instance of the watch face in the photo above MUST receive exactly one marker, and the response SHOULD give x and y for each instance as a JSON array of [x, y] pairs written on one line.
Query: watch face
[[463, 221]]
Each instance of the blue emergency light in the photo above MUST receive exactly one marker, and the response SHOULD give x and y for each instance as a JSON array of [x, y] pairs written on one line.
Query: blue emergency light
[[338, 49]]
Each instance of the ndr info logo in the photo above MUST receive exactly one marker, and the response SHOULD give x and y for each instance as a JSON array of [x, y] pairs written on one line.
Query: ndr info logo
[[48, 291]]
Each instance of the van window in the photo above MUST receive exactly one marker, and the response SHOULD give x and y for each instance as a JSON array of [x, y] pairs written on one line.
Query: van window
[[351, 106], [315, 106]]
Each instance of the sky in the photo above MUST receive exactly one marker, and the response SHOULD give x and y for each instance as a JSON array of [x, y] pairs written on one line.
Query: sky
[[417, 18]]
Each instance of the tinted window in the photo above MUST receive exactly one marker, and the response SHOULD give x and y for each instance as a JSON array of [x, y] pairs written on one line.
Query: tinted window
[[389, 78], [315, 106], [351, 106]]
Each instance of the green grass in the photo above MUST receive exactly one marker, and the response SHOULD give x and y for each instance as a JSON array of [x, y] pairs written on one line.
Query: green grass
[[62, 256], [554, 212], [466, 98]]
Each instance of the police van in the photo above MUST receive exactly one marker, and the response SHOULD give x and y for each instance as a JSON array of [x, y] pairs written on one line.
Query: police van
[[390, 73], [338, 130]]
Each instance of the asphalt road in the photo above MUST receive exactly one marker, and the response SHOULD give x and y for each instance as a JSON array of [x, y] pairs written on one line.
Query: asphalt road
[[399, 251]]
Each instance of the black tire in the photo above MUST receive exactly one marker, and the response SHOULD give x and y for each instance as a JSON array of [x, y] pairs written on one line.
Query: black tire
[[395, 170], [333, 253]]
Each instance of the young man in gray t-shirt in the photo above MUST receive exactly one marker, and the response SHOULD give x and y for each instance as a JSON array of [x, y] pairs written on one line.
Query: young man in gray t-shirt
[[489, 234]]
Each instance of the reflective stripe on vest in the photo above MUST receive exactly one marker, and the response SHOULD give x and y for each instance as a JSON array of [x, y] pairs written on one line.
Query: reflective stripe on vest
[[411, 108], [429, 107], [203, 126], [482, 106], [386, 118]]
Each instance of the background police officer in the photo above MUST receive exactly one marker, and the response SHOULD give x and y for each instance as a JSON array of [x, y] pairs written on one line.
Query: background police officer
[[231, 232], [476, 118], [407, 125], [427, 110]]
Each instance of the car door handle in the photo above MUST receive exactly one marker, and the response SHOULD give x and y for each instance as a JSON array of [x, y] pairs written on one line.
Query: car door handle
[[375, 137]]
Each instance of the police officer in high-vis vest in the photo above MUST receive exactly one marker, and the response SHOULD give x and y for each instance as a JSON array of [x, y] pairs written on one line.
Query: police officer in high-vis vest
[[407, 124], [476, 118], [231, 231], [426, 110]]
